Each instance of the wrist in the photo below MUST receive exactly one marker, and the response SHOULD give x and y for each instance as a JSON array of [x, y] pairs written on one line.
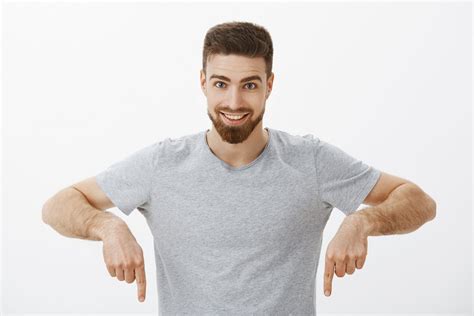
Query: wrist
[[360, 220], [105, 224]]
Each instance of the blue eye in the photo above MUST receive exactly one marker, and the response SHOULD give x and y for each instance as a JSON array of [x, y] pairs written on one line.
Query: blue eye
[[253, 84], [220, 82]]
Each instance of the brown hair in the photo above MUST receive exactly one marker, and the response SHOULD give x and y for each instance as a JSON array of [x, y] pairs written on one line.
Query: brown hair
[[239, 38]]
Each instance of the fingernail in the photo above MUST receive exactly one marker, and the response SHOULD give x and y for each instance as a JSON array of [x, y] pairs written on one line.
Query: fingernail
[[327, 293], [141, 298]]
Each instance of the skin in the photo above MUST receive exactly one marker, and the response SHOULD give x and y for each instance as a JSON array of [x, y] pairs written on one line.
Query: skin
[[406, 208], [236, 145], [79, 211], [346, 251], [123, 258]]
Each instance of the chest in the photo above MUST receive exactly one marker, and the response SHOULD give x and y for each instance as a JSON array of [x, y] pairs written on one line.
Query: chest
[[235, 212]]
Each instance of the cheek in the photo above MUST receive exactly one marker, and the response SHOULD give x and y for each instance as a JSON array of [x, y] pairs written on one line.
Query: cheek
[[212, 107], [257, 97], [213, 99]]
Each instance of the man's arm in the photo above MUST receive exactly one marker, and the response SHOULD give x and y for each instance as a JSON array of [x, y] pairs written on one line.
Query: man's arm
[[405, 209], [70, 213]]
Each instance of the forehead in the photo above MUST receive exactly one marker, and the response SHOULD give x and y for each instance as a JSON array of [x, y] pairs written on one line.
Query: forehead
[[235, 66]]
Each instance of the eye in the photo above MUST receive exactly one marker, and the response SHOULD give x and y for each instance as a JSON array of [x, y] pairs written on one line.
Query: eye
[[217, 82], [220, 84], [255, 86]]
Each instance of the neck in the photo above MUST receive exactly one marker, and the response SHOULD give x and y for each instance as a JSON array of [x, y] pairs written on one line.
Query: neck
[[240, 154]]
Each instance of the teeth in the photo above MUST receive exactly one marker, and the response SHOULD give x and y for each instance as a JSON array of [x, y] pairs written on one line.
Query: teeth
[[233, 117]]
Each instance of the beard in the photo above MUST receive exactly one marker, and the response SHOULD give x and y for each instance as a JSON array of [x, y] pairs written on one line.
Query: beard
[[235, 134]]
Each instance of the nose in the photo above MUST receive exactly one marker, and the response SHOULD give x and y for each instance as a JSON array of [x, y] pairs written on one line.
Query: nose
[[234, 98]]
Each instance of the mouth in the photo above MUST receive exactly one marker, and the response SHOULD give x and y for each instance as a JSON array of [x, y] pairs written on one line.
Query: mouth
[[233, 121]]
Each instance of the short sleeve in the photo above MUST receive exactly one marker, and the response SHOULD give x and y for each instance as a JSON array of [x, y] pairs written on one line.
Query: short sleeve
[[343, 181], [127, 183]]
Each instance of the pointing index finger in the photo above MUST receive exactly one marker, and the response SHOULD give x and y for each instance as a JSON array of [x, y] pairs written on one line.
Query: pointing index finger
[[328, 275], [141, 283]]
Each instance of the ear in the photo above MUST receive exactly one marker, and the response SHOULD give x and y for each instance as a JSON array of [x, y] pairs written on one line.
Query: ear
[[270, 85], [202, 80]]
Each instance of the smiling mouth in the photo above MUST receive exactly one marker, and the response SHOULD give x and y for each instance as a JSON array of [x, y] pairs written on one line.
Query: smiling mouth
[[238, 115], [233, 121]]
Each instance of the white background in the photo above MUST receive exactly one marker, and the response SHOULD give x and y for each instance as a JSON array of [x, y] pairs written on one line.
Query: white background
[[86, 84]]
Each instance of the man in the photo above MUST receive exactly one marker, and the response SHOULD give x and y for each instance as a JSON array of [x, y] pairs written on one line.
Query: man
[[237, 212]]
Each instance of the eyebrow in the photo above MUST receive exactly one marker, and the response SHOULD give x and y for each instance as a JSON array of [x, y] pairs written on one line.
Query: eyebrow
[[254, 77]]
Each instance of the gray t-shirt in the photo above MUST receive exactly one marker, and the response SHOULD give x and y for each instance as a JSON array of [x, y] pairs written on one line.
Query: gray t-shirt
[[238, 240]]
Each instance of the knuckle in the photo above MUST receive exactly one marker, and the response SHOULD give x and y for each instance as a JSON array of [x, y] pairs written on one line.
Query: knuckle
[[117, 265], [340, 258], [110, 264]]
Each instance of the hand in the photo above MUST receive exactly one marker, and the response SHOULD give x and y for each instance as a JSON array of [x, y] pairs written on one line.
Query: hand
[[346, 251], [123, 257]]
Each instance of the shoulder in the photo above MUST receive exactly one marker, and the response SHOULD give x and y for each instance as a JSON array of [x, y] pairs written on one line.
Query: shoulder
[[292, 141], [176, 148]]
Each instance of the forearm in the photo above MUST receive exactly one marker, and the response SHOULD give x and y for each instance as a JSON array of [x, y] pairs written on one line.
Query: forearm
[[405, 210], [71, 215]]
